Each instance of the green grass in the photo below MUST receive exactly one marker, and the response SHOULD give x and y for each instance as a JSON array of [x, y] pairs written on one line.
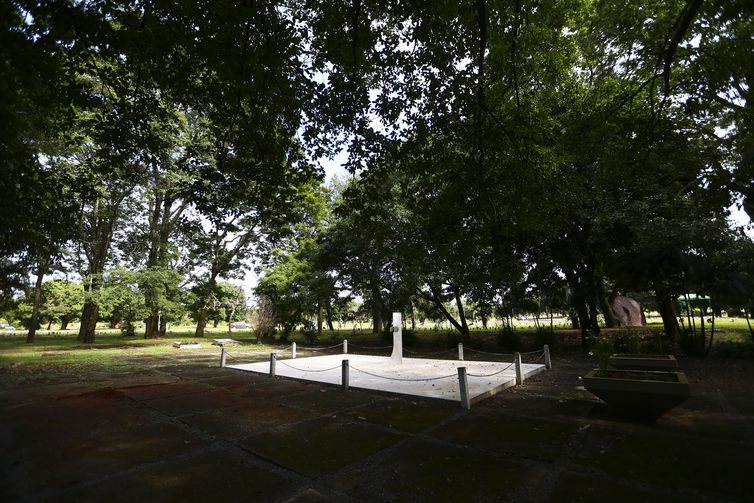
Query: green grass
[[55, 357], [58, 354]]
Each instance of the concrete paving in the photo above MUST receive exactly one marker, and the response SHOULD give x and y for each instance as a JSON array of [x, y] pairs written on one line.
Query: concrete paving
[[421, 377], [220, 435]]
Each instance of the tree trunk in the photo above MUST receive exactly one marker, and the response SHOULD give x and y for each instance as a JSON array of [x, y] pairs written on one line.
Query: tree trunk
[[163, 326], [41, 269], [328, 313], [666, 306], [64, 321], [376, 310], [49, 325], [462, 327], [88, 322], [319, 321], [151, 325], [607, 311], [201, 323], [465, 333]]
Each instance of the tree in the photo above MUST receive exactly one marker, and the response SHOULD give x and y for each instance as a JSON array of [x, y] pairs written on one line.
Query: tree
[[120, 299], [61, 301]]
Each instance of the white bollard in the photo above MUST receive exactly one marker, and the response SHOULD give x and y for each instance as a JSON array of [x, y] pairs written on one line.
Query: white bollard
[[344, 375], [223, 356], [396, 358], [273, 359], [463, 383], [548, 361], [345, 346], [460, 351], [519, 376], [293, 351]]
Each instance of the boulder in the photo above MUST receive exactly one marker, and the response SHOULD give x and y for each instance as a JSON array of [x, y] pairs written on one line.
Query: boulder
[[628, 312]]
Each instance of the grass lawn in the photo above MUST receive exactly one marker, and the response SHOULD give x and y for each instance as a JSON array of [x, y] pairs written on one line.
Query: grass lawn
[[58, 354]]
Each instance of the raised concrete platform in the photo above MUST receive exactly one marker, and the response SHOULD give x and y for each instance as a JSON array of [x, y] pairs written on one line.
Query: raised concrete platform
[[414, 376]]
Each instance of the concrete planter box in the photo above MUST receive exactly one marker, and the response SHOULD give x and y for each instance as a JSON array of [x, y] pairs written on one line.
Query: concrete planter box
[[638, 394], [644, 362]]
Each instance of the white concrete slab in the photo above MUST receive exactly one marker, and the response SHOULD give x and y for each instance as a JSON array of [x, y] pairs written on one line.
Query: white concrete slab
[[414, 376]]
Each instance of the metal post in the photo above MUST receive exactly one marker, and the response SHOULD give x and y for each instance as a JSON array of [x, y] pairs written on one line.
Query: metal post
[[460, 351], [463, 383], [223, 355], [293, 351], [345, 346], [519, 376], [344, 375], [273, 359], [548, 361]]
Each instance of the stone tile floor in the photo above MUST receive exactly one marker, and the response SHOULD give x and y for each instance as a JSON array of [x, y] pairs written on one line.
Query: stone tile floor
[[189, 431]]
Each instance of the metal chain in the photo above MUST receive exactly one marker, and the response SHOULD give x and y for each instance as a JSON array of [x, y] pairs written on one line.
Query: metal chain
[[535, 351], [486, 352], [228, 354], [318, 349], [429, 353], [368, 347], [302, 370], [493, 374], [403, 379]]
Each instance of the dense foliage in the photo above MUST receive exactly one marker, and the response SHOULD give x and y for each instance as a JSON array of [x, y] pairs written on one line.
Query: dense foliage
[[508, 157]]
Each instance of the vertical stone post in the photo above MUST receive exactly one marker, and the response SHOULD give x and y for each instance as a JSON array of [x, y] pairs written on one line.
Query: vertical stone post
[[460, 351], [293, 351], [463, 384], [396, 357], [519, 375], [273, 359], [548, 361], [345, 375], [223, 356], [345, 346]]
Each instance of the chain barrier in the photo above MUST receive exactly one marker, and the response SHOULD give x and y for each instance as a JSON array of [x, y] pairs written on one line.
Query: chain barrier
[[237, 354], [302, 370], [424, 379], [316, 350], [493, 374], [465, 348], [351, 345], [535, 351], [542, 355], [429, 353]]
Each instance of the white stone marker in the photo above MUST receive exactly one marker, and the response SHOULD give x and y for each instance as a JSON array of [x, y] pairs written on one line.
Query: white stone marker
[[223, 356], [460, 351], [293, 351], [397, 357], [345, 346], [519, 375], [548, 361]]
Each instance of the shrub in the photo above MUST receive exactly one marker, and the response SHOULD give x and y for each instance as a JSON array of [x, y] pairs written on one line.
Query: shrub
[[602, 348], [544, 335], [627, 341], [508, 339], [409, 336], [310, 336]]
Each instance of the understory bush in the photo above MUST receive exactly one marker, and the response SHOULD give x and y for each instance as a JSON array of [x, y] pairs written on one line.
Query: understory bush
[[627, 340], [508, 339], [544, 335]]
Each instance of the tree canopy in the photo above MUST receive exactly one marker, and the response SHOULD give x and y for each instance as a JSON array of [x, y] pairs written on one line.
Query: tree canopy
[[504, 154]]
